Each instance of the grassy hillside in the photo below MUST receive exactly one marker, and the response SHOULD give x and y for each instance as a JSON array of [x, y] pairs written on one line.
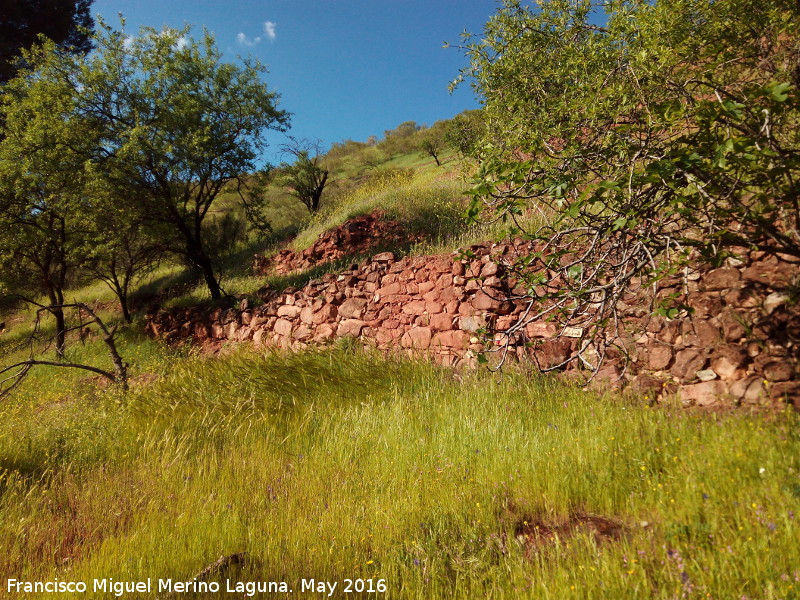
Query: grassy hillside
[[340, 464]]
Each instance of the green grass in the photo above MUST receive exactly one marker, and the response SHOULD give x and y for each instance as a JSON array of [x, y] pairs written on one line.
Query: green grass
[[343, 464]]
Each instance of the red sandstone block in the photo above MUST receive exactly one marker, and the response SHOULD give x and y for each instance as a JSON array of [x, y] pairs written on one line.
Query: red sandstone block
[[417, 337], [482, 301], [441, 322], [425, 287], [451, 339], [283, 327], [416, 307], [350, 327]]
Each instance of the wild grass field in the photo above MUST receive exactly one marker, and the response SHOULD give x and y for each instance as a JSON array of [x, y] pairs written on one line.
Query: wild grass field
[[340, 464]]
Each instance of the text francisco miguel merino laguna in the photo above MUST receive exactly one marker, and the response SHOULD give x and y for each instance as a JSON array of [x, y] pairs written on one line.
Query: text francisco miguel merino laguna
[[248, 588]]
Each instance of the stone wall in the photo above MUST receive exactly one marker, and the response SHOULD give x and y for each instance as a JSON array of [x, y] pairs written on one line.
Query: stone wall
[[740, 344]]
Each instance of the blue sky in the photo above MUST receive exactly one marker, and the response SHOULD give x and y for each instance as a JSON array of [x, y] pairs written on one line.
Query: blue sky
[[344, 68]]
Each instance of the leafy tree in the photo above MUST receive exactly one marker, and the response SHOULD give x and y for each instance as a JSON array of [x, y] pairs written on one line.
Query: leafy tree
[[463, 132], [66, 22], [668, 132], [432, 141], [401, 139], [305, 177], [177, 125], [121, 250], [42, 179]]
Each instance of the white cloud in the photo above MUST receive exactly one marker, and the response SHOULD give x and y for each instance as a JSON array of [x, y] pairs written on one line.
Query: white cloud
[[181, 43], [243, 40], [269, 29], [127, 43]]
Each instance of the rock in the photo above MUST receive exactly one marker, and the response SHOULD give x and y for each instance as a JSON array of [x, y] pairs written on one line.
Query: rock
[[217, 331], [483, 301], [202, 331], [326, 314], [417, 337], [688, 362], [727, 359], [391, 289], [353, 308], [703, 394], [489, 269], [283, 327], [748, 390], [417, 307], [607, 375], [258, 338], [350, 328], [541, 329], [706, 375], [732, 326], [451, 339], [288, 311], [425, 287], [773, 274], [773, 301], [659, 356], [324, 332], [302, 333], [471, 323], [307, 315], [786, 391], [441, 322], [383, 258], [553, 352], [778, 371], [724, 278]]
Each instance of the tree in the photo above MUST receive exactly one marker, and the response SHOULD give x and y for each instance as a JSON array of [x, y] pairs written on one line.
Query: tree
[[401, 139], [120, 251], [177, 125], [666, 134], [432, 141], [464, 131], [42, 180], [305, 177], [13, 373], [67, 22]]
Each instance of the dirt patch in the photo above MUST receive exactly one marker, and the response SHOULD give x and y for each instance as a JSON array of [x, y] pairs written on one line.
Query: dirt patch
[[352, 238], [536, 533]]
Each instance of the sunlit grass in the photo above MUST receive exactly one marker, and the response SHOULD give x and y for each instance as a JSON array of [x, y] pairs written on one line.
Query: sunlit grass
[[340, 464]]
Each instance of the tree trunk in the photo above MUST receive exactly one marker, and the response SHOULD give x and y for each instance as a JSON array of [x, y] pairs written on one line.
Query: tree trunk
[[200, 259], [123, 302], [56, 298], [61, 330]]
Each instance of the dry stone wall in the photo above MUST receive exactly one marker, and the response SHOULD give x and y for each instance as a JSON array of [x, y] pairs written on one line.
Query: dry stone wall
[[740, 344], [356, 236]]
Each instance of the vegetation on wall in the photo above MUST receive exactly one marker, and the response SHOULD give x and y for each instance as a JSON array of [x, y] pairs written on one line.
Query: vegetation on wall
[[648, 133]]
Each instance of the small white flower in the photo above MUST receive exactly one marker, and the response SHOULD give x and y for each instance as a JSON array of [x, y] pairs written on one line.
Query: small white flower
[[761, 471]]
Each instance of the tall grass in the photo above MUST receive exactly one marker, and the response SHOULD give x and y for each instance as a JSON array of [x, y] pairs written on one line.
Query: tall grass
[[342, 464]]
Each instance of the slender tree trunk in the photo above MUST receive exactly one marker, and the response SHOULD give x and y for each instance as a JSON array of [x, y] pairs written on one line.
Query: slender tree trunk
[[61, 330], [123, 302], [56, 298], [200, 259]]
